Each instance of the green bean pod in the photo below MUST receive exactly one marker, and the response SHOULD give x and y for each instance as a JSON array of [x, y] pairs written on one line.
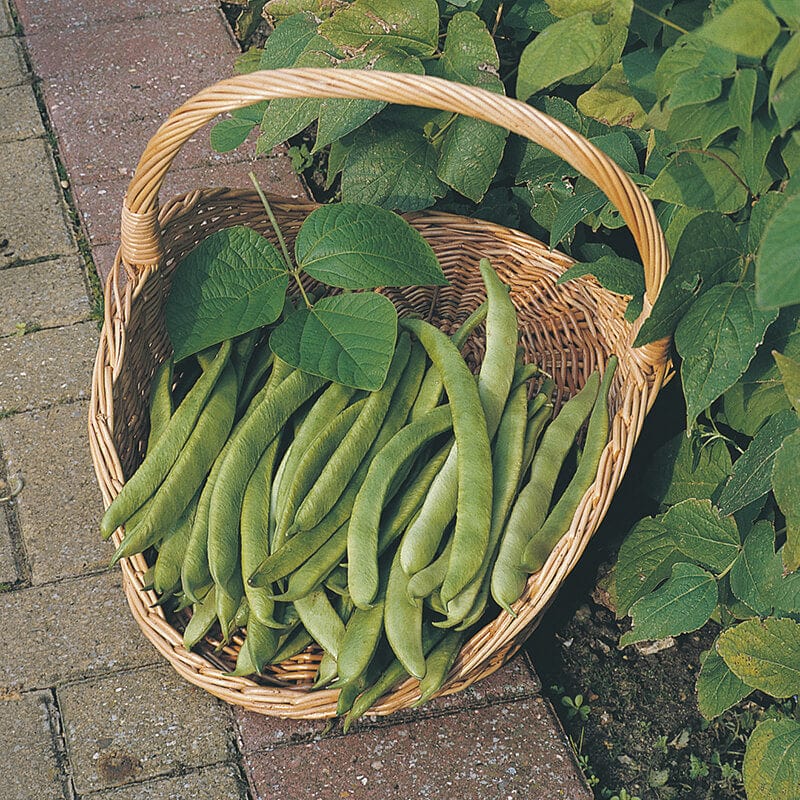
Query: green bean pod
[[272, 408], [320, 619], [313, 572], [437, 665], [152, 471], [345, 461], [167, 568], [494, 383], [204, 615], [430, 393], [402, 620], [312, 462], [394, 673], [474, 503], [254, 528], [530, 509], [161, 402], [295, 642], [362, 634], [506, 469], [362, 537], [543, 540], [430, 578], [189, 470]]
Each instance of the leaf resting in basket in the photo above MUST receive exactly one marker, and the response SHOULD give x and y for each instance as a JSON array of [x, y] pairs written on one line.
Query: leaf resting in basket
[[236, 281]]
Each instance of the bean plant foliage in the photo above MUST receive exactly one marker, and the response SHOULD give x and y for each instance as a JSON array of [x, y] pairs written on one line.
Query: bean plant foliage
[[699, 102]]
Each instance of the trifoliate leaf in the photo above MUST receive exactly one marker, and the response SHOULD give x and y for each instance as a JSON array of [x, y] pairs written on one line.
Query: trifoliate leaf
[[348, 338], [232, 282], [717, 338], [355, 246], [684, 603]]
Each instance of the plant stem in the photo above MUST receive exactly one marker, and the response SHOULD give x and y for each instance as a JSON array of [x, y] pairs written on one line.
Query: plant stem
[[662, 20], [286, 257], [303, 294]]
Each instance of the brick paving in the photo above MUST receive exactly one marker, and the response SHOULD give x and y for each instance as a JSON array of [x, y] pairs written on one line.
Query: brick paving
[[88, 709]]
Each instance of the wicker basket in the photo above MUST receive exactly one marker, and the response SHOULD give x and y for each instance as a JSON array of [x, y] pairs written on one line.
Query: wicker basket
[[569, 329]]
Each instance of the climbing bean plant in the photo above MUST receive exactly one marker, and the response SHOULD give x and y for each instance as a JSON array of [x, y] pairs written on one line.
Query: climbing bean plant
[[699, 102]]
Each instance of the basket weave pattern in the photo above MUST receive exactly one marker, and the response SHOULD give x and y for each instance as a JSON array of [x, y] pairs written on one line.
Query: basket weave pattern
[[569, 330]]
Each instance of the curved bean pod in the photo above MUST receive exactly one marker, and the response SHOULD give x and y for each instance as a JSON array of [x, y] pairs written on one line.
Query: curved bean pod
[[152, 471], [530, 509], [474, 503], [362, 537], [345, 462], [560, 517]]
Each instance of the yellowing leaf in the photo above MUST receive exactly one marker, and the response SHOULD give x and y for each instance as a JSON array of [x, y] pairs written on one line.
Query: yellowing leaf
[[745, 27], [611, 101], [772, 761]]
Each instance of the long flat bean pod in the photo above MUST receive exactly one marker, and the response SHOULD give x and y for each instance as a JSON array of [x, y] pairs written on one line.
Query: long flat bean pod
[[558, 520], [320, 619], [254, 527], [494, 383], [189, 470], [270, 412], [530, 508], [337, 472], [151, 473], [161, 402], [394, 673], [167, 569], [402, 620], [474, 508], [362, 537], [506, 468]]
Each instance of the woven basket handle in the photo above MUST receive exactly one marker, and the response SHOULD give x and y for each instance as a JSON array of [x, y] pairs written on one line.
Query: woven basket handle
[[141, 237]]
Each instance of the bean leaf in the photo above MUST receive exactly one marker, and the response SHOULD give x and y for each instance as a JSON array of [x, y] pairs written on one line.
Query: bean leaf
[[546, 61], [777, 265], [619, 275], [717, 338], [790, 372], [709, 251], [707, 180], [746, 27], [412, 27], [346, 338], [355, 246], [772, 761], [757, 578], [645, 559], [683, 469], [751, 476], [232, 282], [765, 654], [684, 603], [393, 167], [717, 687], [702, 534]]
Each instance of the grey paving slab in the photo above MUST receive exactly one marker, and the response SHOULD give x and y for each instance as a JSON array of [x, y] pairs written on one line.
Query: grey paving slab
[[100, 203], [60, 506], [33, 223], [501, 752], [8, 565], [68, 630], [43, 295], [12, 65], [516, 680], [213, 783], [20, 114], [36, 15], [6, 23], [30, 765], [140, 724], [46, 367]]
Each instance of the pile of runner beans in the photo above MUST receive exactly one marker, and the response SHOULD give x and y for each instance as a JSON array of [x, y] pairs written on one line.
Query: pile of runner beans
[[306, 511]]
